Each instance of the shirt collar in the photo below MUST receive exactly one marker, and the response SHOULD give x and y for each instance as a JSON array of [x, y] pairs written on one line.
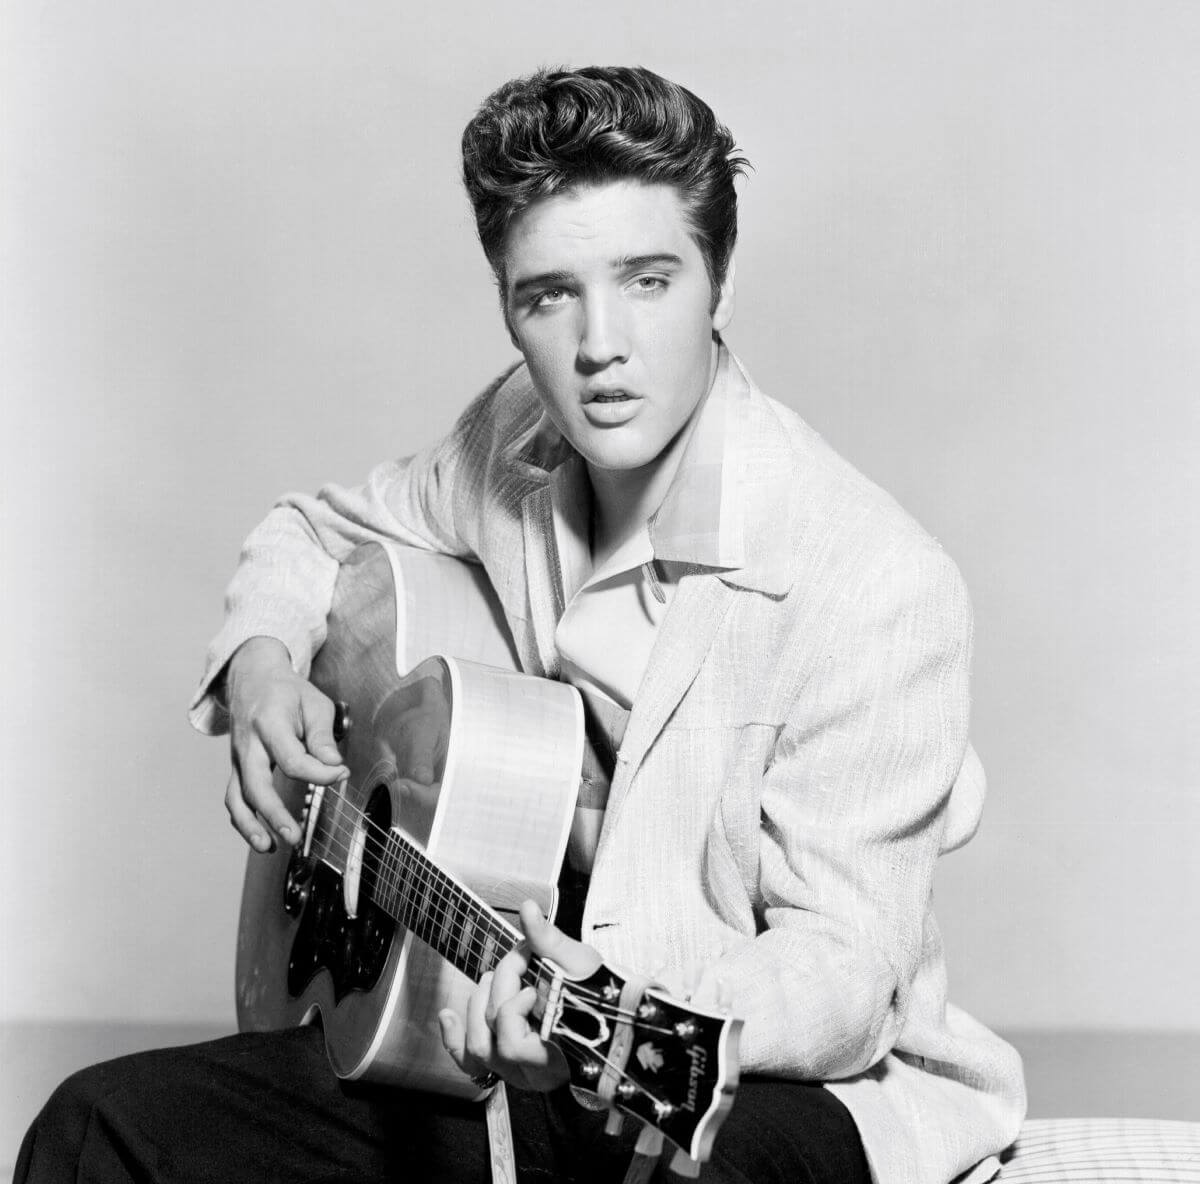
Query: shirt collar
[[700, 518]]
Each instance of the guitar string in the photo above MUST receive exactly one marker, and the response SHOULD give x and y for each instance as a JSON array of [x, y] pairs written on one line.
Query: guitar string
[[460, 900], [585, 1054], [439, 917], [394, 875], [483, 949], [405, 850], [571, 1044]]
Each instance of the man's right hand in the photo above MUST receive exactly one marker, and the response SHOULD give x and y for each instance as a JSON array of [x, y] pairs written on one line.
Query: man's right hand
[[276, 718]]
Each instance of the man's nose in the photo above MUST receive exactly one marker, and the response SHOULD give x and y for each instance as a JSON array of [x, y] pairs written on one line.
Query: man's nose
[[604, 334]]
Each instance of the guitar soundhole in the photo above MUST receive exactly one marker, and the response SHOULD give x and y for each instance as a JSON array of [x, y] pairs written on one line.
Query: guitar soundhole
[[352, 949]]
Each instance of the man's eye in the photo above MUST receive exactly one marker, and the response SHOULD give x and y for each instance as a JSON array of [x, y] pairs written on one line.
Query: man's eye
[[650, 283], [549, 296]]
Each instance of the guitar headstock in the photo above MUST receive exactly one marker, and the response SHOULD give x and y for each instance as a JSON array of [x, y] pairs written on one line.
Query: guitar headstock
[[669, 1064]]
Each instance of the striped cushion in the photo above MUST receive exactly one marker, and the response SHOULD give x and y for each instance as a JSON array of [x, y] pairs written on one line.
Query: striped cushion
[[1050, 1150]]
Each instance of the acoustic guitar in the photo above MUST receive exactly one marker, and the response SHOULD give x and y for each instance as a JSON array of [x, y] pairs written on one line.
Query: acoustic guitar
[[403, 892]]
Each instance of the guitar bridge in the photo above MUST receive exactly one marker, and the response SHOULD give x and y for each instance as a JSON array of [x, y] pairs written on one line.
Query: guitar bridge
[[312, 811]]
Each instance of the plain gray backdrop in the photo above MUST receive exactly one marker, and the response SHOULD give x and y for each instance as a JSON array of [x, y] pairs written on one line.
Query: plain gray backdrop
[[237, 260]]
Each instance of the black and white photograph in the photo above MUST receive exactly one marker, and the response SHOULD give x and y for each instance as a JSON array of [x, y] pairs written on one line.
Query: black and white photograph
[[600, 594]]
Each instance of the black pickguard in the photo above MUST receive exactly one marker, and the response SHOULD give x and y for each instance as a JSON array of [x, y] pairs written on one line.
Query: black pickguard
[[353, 950]]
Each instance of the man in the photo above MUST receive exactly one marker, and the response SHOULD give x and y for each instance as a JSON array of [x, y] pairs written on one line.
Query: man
[[775, 654]]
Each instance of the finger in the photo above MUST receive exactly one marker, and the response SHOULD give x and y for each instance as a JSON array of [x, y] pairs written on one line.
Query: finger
[[454, 1036], [506, 980], [244, 820], [515, 1039], [478, 1039], [526, 1058], [253, 767], [316, 711], [576, 959], [282, 743]]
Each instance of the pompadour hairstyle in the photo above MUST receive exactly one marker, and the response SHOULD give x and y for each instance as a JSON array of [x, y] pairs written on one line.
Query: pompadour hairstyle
[[557, 129]]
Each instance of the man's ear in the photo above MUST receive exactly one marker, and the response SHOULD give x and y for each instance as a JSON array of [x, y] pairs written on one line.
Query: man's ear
[[723, 309]]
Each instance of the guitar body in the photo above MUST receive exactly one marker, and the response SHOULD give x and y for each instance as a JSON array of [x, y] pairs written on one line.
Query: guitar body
[[478, 765]]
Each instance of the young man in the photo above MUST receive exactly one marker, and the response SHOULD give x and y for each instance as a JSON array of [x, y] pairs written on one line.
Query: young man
[[776, 655]]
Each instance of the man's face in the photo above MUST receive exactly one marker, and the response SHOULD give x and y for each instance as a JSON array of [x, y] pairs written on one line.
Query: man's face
[[608, 298]]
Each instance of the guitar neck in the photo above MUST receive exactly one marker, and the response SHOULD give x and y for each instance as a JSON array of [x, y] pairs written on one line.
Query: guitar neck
[[440, 911], [430, 903]]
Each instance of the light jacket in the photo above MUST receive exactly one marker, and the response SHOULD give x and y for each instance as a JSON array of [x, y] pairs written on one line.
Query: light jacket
[[795, 760]]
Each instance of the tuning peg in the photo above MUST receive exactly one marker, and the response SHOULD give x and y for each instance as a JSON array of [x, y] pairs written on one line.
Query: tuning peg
[[684, 1165], [614, 1123]]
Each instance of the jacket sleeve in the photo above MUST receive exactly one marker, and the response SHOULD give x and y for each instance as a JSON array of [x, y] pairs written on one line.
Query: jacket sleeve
[[853, 811], [283, 584]]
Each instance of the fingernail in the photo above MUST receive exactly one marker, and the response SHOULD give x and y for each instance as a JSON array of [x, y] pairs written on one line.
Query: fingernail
[[260, 842], [329, 754], [289, 834]]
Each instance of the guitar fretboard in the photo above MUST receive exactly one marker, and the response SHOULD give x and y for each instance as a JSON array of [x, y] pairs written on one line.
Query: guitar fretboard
[[407, 885], [440, 911]]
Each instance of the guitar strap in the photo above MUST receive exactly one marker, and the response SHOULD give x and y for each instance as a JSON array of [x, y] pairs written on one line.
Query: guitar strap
[[500, 1141], [504, 1165]]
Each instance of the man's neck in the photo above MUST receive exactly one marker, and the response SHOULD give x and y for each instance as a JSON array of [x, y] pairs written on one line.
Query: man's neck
[[624, 499]]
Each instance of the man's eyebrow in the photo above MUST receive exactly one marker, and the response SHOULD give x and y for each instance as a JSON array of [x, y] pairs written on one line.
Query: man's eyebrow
[[634, 262], [541, 280]]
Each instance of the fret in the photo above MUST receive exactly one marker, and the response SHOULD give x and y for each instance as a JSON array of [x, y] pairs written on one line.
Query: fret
[[467, 958], [449, 930], [488, 958]]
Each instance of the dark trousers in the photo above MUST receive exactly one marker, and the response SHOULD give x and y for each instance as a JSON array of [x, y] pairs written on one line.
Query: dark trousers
[[266, 1107]]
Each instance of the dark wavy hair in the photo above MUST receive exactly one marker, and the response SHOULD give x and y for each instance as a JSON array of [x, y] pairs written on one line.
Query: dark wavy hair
[[558, 129]]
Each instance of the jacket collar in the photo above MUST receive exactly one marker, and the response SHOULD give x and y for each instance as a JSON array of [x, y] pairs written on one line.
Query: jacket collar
[[728, 508]]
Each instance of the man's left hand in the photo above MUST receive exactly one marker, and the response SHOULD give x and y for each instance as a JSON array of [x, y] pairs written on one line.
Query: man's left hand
[[495, 1035]]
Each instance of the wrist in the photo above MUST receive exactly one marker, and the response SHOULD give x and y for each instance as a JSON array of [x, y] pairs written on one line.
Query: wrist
[[255, 655]]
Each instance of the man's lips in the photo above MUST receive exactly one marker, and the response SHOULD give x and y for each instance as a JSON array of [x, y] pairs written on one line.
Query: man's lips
[[614, 394], [610, 406]]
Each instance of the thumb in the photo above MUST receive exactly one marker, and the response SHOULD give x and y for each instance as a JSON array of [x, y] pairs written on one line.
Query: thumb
[[576, 959], [317, 711]]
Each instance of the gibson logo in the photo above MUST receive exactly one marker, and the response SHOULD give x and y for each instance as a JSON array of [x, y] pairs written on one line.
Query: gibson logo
[[699, 1059]]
